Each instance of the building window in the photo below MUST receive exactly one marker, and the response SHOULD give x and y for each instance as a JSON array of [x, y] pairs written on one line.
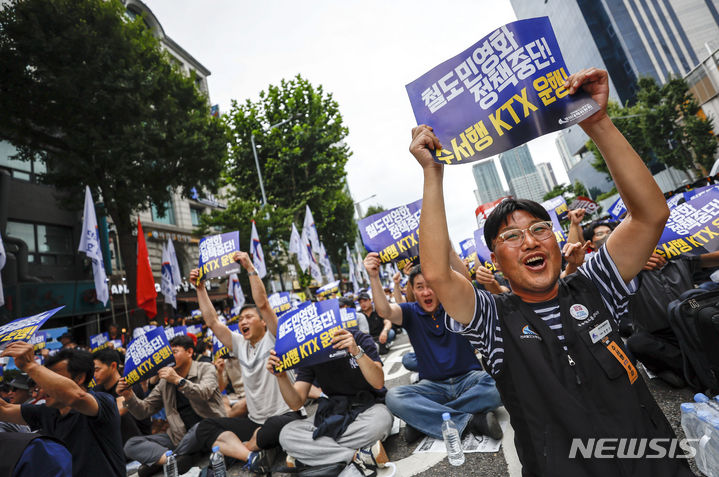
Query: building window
[[168, 217], [47, 244], [195, 214], [22, 170]]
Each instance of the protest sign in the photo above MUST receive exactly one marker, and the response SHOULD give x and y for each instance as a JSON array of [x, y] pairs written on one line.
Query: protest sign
[[557, 229], [329, 289], [393, 234], [468, 252], [693, 226], [348, 317], [617, 209], [484, 256], [146, 354], [23, 329], [280, 302], [216, 253], [304, 336], [172, 331], [482, 212], [116, 343], [99, 341], [38, 341], [195, 329], [585, 203], [501, 92], [558, 205]]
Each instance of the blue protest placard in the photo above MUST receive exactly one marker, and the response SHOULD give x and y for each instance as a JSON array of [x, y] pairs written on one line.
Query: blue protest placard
[[280, 302], [146, 354], [348, 317], [484, 255], [468, 252], [304, 336], [693, 226], [99, 341], [22, 329], [501, 92], [329, 289], [38, 341], [195, 329], [557, 229], [558, 205], [172, 331], [216, 253], [617, 209], [219, 350], [393, 234], [116, 343]]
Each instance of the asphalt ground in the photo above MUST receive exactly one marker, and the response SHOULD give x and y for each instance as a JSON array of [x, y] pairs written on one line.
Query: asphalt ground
[[500, 464]]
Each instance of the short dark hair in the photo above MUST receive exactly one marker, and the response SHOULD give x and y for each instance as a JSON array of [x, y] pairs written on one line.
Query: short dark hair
[[108, 356], [506, 208], [416, 270], [182, 340], [254, 307], [78, 361], [589, 229]]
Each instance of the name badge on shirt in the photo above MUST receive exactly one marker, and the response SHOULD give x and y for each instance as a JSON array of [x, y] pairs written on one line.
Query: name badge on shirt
[[600, 331]]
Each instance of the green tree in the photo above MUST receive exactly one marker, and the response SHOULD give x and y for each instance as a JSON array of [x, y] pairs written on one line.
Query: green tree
[[302, 162], [665, 124], [89, 91], [373, 209]]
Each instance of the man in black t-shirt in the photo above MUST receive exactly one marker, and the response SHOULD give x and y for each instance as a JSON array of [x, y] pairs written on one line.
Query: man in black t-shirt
[[87, 422], [380, 329], [352, 420]]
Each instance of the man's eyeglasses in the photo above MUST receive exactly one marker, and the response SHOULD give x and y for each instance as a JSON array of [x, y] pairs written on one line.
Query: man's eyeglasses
[[515, 237]]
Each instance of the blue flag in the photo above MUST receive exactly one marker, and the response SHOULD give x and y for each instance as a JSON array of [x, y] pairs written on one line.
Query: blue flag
[[23, 329], [216, 253], [501, 92], [394, 233], [304, 336], [146, 354]]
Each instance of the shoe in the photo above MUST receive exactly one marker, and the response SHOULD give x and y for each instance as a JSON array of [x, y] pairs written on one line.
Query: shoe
[[412, 435], [184, 463], [258, 463], [414, 378], [671, 378], [148, 470], [371, 457], [486, 424]]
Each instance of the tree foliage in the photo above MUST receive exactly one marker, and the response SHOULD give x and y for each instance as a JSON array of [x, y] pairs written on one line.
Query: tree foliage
[[302, 162], [568, 191], [664, 124], [373, 209], [89, 91]]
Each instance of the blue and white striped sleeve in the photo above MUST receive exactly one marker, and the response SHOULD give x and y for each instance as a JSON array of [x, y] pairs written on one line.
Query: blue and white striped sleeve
[[601, 269]]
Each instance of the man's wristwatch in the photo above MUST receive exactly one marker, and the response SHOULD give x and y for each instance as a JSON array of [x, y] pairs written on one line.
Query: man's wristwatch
[[253, 272], [359, 354], [182, 382]]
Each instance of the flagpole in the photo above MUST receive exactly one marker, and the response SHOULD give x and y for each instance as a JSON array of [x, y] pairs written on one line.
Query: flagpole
[[124, 299], [112, 303]]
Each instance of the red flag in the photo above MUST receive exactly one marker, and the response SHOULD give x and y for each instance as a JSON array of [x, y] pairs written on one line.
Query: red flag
[[146, 293]]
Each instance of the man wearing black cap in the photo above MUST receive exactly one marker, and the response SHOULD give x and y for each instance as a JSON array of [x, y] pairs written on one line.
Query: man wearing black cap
[[348, 302], [19, 394], [380, 329]]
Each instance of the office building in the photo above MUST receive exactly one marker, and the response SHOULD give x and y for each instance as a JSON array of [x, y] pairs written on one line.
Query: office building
[[546, 173], [521, 174], [489, 187]]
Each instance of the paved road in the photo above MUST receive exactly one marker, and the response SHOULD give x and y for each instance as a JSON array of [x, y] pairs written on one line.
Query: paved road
[[501, 464]]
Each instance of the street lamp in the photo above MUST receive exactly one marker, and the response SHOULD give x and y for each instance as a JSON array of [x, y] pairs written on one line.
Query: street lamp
[[257, 161], [358, 209]]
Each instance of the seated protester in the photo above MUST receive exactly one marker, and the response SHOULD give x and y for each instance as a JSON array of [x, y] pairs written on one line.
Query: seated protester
[[107, 375], [188, 393], [20, 393], [380, 329], [653, 342], [552, 344], [85, 421], [347, 302], [5, 391], [31, 454], [246, 438], [229, 375], [203, 351], [352, 420], [451, 377]]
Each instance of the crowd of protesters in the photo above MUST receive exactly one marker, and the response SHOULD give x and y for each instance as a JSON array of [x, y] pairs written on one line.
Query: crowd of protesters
[[480, 340]]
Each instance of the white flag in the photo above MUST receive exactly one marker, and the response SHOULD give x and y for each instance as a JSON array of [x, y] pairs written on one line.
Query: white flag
[[167, 284], [326, 263], [351, 264], [295, 241], [234, 290], [361, 270], [311, 229], [3, 257], [303, 255], [90, 244], [176, 276], [258, 258]]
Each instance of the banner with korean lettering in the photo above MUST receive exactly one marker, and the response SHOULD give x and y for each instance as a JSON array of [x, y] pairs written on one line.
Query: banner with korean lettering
[[146, 354], [558, 205], [693, 226], [99, 341], [500, 93], [23, 329], [348, 316], [484, 255], [172, 331], [468, 252], [329, 289], [219, 350], [304, 336], [38, 341], [280, 302], [216, 253], [482, 212], [393, 234], [585, 203], [617, 209]]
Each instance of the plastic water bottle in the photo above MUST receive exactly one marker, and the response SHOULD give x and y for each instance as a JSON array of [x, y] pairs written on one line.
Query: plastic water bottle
[[704, 435], [170, 467], [689, 419], [455, 454], [217, 462], [706, 403], [711, 449]]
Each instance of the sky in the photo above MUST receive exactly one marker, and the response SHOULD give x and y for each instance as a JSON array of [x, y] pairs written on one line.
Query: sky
[[364, 52]]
